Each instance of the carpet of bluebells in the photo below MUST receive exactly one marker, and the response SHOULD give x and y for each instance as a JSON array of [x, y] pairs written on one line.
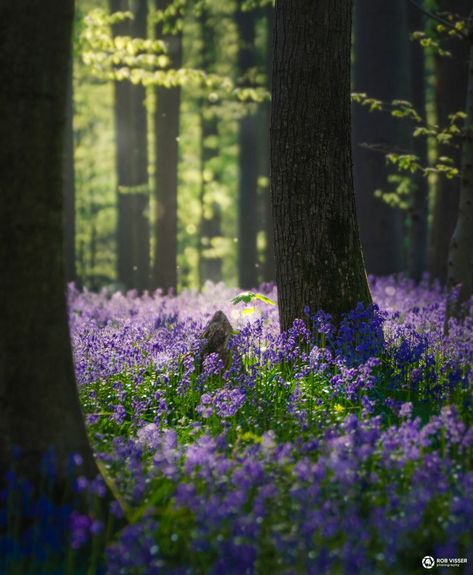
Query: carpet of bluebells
[[316, 451]]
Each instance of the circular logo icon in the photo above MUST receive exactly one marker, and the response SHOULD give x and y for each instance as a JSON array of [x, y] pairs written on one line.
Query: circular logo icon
[[428, 562]]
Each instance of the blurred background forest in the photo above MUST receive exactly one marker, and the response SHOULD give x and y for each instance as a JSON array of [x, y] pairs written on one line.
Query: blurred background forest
[[167, 155]]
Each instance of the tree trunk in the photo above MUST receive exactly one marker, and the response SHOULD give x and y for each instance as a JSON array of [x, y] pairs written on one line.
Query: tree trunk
[[380, 70], [269, 268], [92, 279], [39, 405], [166, 125], [460, 257], [210, 267], [450, 88], [417, 256], [319, 261], [133, 265], [69, 184], [248, 163]]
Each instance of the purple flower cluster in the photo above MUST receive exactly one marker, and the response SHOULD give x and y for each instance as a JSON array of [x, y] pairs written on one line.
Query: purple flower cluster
[[354, 500], [82, 527], [224, 403], [43, 530]]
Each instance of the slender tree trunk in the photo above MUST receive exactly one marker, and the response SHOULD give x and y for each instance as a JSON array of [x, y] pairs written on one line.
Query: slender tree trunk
[[248, 164], [69, 184], [166, 125], [417, 257], [380, 70], [210, 267], [269, 268], [450, 88], [81, 261], [39, 405], [460, 257], [318, 253], [133, 237], [93, 280]]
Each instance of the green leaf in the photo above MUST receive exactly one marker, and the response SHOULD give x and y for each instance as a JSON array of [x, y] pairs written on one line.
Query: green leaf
[[248, 297], [265, 299], [245, 297], [248, 311]]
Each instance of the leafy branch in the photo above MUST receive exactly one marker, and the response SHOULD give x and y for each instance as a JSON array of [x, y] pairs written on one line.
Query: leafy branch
[[146, 61], [456, 28], [403, 109]]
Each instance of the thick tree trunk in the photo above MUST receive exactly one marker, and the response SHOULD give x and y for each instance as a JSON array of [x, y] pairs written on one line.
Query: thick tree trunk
[[318, 254], [133, 234], [450, 88], [248, 163], [39, 405], [269, 268], [69, 184], [417, 256], [460, 257], [380, 70], [166, 125]]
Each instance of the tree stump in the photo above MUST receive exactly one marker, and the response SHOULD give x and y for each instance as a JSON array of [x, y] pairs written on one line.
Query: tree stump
[[216, 337]]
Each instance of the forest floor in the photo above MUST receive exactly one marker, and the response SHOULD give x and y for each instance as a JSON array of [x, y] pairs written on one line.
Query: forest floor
[[347, 451]]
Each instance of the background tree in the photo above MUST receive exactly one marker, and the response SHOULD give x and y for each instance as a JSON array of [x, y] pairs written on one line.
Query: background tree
[[133, 233], [381, 70], [318, 254], [69, 184], [249, 156], [94, 167], [210, 264], [460, 256], [451, 75], [269, 266], [166, 126], [39, 406], [419, 208]]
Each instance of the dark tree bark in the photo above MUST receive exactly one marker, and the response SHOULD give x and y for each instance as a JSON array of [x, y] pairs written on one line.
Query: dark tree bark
[[39, 405], [210, 268], [269, 268], [166, 125], [69, 184], [133, 234], [451, 76], [381, 70], [417, 256], [248, 162], [319, 261], [460, 257]]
